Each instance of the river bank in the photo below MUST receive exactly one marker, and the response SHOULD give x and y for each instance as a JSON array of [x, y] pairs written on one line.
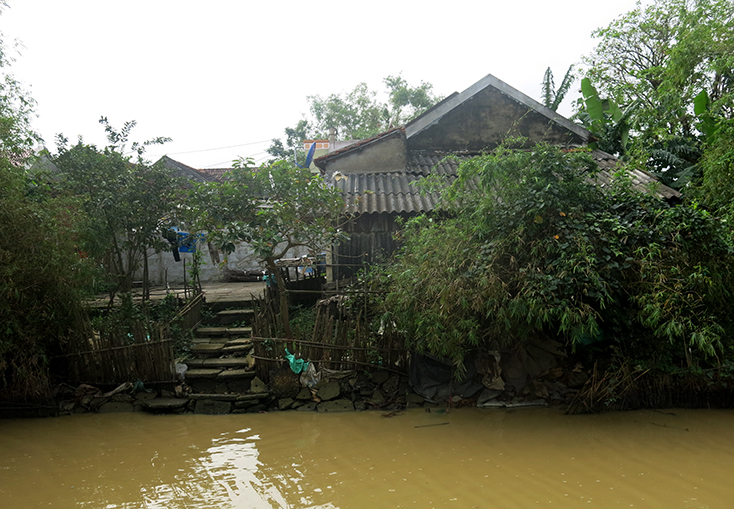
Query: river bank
[[572, 390]]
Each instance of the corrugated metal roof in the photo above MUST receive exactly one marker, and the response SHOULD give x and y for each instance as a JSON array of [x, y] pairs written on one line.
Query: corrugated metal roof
[[435, 163], [398, 203], [397, 192], [393, 192]]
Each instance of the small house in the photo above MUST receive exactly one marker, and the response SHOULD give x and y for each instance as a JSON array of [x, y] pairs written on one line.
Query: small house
[[376, 176]]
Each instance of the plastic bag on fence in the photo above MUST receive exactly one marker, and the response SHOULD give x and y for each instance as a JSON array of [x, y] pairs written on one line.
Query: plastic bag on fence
[[297, 365], [310, 377]]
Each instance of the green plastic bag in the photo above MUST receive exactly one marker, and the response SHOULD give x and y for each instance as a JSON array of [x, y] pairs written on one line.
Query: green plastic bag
[[297, 365]]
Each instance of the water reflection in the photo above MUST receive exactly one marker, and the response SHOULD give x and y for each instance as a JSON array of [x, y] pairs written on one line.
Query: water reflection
[[468, 458]]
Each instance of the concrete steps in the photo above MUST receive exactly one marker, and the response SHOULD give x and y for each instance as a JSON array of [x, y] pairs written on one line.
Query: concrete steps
[[220, 360], [218, 332], [233, 316]]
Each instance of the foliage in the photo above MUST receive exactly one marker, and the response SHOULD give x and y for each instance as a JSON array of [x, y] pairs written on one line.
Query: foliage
[[303, 322], [356, 114], [663, 56], [406, 102], [532, 247], [126, 201], [606, 120], [658, 61], [41, 274], [146, 318], [275, 208], [552, 96], [293, 146], [717, 189]]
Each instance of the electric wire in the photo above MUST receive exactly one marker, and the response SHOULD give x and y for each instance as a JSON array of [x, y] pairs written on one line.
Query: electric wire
[[219, 148]]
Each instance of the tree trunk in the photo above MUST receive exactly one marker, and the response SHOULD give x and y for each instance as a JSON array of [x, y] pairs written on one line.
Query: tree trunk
[[146, 281]]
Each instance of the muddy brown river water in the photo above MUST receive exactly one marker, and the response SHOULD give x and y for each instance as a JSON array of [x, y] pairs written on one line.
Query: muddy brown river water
[[468, 458]]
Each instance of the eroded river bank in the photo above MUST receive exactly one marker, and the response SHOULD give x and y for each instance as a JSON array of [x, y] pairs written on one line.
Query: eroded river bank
[[483, 458]]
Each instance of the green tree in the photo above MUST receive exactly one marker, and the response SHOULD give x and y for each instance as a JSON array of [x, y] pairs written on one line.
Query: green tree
[[717, 165], [41, 274], [293, 146], [356, 114], [661, 57], [128, 201], [406, 102], [275, 208]]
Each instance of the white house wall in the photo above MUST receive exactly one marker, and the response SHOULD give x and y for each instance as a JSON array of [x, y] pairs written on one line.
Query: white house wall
[[163, 268]]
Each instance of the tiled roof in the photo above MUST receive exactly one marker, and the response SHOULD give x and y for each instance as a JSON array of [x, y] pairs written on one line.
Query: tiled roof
[[214, 174], [641, 180], [396, 192], [183, 170], [385, 192]]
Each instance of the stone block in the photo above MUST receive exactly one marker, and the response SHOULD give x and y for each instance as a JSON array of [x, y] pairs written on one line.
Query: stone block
[[257, 385], [304, 394], [122, 398], [241, 385], [95, 403], [212, 407], [241, 405], [487, 395], [215, 396], [203, 385], [329, 391], [308, 407], [380, 377], [337, 405], [165, 404], [285, 403], [377, 398], [202, 373], [115, 406]]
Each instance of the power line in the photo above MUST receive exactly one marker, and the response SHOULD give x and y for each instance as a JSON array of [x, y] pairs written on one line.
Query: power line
[[229, 161], [219, 148]]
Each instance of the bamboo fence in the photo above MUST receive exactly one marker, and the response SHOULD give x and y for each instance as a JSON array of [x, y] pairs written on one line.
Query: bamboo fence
[[144, 352], [341, 339]]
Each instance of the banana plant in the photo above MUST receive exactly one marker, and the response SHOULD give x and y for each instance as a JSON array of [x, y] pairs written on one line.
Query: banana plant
[[702, 109], [609, 124], [552, 96]]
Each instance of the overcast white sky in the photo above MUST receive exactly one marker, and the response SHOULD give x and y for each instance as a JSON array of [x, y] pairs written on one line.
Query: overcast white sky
[[235, 73]]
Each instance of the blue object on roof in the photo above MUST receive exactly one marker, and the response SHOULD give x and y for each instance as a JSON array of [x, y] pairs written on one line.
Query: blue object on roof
[[311, 152]]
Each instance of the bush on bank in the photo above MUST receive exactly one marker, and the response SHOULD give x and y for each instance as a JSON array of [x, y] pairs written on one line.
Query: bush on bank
[[528, 245]]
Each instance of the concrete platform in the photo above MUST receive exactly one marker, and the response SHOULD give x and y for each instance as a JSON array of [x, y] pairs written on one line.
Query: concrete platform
[[223, 294]]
